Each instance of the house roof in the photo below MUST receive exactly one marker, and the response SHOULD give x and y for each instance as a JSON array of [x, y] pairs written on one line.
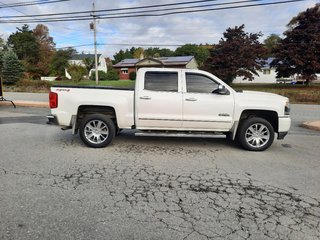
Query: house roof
[[131, 62], [83, 56], [267, 61]]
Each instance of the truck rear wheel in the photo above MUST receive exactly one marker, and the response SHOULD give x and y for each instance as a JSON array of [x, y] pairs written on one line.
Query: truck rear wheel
[[255, 134], [97, 130]]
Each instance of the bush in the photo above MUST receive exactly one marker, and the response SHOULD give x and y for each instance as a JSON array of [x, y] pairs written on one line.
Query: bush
[[112, 75], [26, 85], [132, 76], [101, 75], [77, 72]]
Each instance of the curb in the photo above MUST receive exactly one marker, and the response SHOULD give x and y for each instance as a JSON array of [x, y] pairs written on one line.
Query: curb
[[26, 104], [315, 125]]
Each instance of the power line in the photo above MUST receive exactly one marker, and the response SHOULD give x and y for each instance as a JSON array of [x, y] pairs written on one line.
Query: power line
[[30, 3], [13, 8], [155, 10], [131, 15], [116, 9]]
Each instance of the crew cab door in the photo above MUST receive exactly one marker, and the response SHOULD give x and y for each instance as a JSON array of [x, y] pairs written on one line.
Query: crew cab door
[[159, 100], [202, 109]]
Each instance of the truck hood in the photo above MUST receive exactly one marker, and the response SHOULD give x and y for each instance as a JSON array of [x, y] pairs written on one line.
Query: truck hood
[[261, 101], [261, 96]]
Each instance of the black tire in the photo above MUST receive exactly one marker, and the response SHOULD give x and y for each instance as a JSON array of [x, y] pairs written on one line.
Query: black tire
[[97, 130], [254, 130]]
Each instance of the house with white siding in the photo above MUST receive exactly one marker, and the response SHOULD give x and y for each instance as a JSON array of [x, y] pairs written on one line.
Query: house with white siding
[[77, 59], [267, 74]]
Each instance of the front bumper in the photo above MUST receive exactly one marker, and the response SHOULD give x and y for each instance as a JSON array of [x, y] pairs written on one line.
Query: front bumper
[[281, 135], [284, 126], [52, 120]]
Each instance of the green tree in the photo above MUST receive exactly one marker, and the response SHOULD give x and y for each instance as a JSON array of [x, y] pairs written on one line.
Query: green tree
[[121, 55], [1, 63], [138, 53], [12, 68], [299, 51], [158, 52], [60, 59], [200, 53], [89, 63], [25, 44], [236, 55], [270, 43], [46, 48], [2, 44]]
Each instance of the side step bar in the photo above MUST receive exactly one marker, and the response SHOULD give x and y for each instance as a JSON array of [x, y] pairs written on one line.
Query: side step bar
[[180, 134]]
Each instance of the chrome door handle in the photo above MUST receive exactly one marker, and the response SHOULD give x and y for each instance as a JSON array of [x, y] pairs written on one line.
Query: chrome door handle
[[191, 99], [145, 97]]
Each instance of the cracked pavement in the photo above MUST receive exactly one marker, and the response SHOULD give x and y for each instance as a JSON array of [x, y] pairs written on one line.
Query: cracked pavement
[[53, 187]]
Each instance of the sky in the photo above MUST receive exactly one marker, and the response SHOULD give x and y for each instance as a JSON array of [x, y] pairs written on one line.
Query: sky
[[196, 28]]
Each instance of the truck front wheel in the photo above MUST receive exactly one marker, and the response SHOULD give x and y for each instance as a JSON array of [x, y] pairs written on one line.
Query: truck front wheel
[[255, 134], [97, 130]]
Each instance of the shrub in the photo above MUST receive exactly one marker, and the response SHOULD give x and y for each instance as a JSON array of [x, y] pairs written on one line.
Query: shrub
[[101, 75], [112, 75], [132, 76], [26, 85], [77, 72]]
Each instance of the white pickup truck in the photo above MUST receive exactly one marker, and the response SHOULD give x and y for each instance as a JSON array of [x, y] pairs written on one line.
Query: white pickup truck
[[171, 102]]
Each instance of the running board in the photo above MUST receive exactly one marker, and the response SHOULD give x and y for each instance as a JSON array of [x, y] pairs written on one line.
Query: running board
[[180, 134]]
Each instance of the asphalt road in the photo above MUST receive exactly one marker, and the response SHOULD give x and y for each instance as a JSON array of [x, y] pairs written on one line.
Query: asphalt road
[[53, 187]]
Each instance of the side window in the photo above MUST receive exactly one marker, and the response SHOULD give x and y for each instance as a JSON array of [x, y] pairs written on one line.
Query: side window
[[161, 81], [198, 83]]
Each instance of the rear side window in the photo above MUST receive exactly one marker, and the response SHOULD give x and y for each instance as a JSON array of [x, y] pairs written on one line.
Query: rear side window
[[198, 83], [161, 81]]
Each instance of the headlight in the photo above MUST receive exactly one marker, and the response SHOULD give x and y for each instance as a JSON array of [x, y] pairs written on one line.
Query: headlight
[[287, 108]]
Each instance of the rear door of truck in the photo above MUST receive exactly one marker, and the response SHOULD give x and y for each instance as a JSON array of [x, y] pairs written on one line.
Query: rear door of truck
[[159, 99]]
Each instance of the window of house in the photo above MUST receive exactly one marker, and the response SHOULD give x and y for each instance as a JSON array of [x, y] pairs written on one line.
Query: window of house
[[124, 70], [266, 71], [198, 83], [161, 81]]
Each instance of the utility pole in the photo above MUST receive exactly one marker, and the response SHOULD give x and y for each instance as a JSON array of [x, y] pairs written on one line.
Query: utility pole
[[93, 26]]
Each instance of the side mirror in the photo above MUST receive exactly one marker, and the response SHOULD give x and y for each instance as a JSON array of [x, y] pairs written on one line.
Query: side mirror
[[221, 90]]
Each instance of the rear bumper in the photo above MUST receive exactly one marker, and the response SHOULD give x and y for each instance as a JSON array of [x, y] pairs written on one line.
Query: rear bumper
[[52, 120]]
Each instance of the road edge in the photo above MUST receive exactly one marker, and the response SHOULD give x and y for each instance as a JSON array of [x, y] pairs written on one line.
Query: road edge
[[314, 125], [26, 104]]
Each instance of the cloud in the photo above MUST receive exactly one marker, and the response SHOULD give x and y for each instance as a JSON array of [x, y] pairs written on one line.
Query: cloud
[[203, 27]]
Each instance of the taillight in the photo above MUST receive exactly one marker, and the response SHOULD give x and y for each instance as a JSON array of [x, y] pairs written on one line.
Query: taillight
[[53, 100]]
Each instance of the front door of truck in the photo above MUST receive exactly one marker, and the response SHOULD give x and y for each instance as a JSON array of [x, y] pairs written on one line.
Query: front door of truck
[[159, 100], [202, 109]]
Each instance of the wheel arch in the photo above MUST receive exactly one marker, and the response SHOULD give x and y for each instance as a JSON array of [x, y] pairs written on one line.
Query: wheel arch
[[269, 115], [85, 110]]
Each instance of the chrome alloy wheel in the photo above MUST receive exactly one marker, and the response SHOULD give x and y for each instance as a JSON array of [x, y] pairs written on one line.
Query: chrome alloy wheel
[[257, 135], [96, 131]]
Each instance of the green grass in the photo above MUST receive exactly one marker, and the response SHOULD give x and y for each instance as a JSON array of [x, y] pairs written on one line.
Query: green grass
[[296, 93], [119, 83]]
